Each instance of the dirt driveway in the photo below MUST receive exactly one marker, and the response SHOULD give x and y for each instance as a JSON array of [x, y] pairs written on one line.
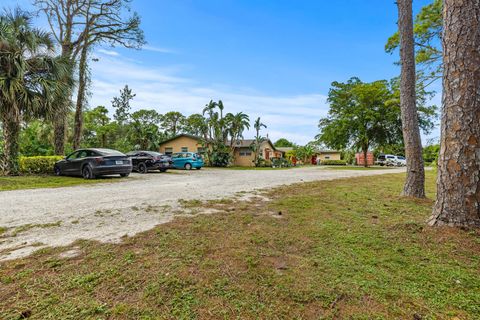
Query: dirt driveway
[[55, 217]]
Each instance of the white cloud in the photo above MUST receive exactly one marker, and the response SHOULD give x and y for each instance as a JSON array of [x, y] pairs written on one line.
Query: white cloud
[[109, 52], [158, 49], [294, 117]]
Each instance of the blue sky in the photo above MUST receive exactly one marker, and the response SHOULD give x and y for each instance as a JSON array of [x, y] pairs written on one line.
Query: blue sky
[[271, 58]]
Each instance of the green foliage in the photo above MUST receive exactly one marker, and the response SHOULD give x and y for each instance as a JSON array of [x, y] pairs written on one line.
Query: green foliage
[[367, 115], [283, 143], [122, 106], [305, 153], [196, 125], [36, 139], [38, 164], [431, 153], [98, 130], [173, 122], [144, 132], [220, 157], [349, 156], [219, 133], [280, 162], [333, 162], [258, 160], [31, 77], [427, 32]]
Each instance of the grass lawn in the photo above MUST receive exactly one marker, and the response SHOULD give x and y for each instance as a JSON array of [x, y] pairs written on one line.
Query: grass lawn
[[46, 181], [357, 168], [255, 168], [344, 249]]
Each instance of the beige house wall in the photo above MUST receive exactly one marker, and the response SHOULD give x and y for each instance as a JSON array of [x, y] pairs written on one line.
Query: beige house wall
[[191, 144], [243, 160], [329, 156], [243, 156]]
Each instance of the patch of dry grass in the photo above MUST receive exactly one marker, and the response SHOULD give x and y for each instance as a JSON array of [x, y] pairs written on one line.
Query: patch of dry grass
[[345, 249]]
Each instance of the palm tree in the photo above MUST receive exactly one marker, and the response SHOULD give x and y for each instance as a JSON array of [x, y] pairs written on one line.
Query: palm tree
[[258, 140], [236, 125], [29, 79]]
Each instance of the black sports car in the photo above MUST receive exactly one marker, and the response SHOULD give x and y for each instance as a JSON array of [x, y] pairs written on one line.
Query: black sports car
[[91, 163], [143, 161]]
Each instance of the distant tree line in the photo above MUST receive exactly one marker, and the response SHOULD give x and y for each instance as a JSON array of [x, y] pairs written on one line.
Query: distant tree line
[[144, 129]]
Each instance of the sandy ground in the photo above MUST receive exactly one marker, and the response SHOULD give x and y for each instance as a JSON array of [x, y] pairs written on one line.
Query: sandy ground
[[108, 211]]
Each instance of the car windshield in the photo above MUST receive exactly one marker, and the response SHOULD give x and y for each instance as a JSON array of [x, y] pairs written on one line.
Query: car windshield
[[109, 152], [401, 158], [155, 154]]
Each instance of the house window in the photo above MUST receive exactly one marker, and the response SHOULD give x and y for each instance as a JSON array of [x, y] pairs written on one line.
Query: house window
[[184, 149], [245, 152], [327, 157], [200, 150], [168, 151]]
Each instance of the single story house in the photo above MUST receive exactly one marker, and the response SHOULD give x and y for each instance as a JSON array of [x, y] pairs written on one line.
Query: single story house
[[319, 154], [242, 155], [181, 143], [328, 154]]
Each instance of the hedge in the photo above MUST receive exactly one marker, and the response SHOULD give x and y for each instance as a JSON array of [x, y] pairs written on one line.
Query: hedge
[[333, 162], [38, 165]]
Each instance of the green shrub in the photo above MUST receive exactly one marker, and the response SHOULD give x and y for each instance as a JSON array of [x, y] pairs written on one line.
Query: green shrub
[[38, 165], [333, 162], [280, 162]]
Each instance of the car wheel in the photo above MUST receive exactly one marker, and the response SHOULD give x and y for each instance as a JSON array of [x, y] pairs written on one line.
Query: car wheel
[[57, 171], [124, 175], [199, 168], [188, 166], [87, 173], [163, 170], [142, 168]]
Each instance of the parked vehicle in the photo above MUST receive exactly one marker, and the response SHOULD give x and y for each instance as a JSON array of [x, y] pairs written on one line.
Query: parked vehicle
[[400, 161], [143, 161], [187, 160], [92, 163], [391, 160]]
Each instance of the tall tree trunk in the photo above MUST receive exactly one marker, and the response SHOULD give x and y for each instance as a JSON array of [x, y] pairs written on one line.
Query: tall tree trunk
[[81, 93], [365, 156], [59, 129], [60, 121], [11, 134], [458, 181], [415, 181]]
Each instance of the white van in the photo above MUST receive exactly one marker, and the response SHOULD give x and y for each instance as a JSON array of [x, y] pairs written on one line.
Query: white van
[[391, 160]]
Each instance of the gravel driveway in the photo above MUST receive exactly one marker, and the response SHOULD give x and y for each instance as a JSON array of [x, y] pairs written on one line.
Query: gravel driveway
[[107, 211]]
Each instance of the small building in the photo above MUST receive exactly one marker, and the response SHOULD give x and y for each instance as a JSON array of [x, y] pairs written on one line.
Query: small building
[[360, 159], [242, 155], [181, 143], [328, 155], [319, 154]]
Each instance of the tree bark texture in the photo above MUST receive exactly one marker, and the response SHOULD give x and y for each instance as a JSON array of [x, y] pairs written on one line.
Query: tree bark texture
[[458, 181], [60, 121], [11, 134], [59, 130], [415, 181], [82, 84]]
